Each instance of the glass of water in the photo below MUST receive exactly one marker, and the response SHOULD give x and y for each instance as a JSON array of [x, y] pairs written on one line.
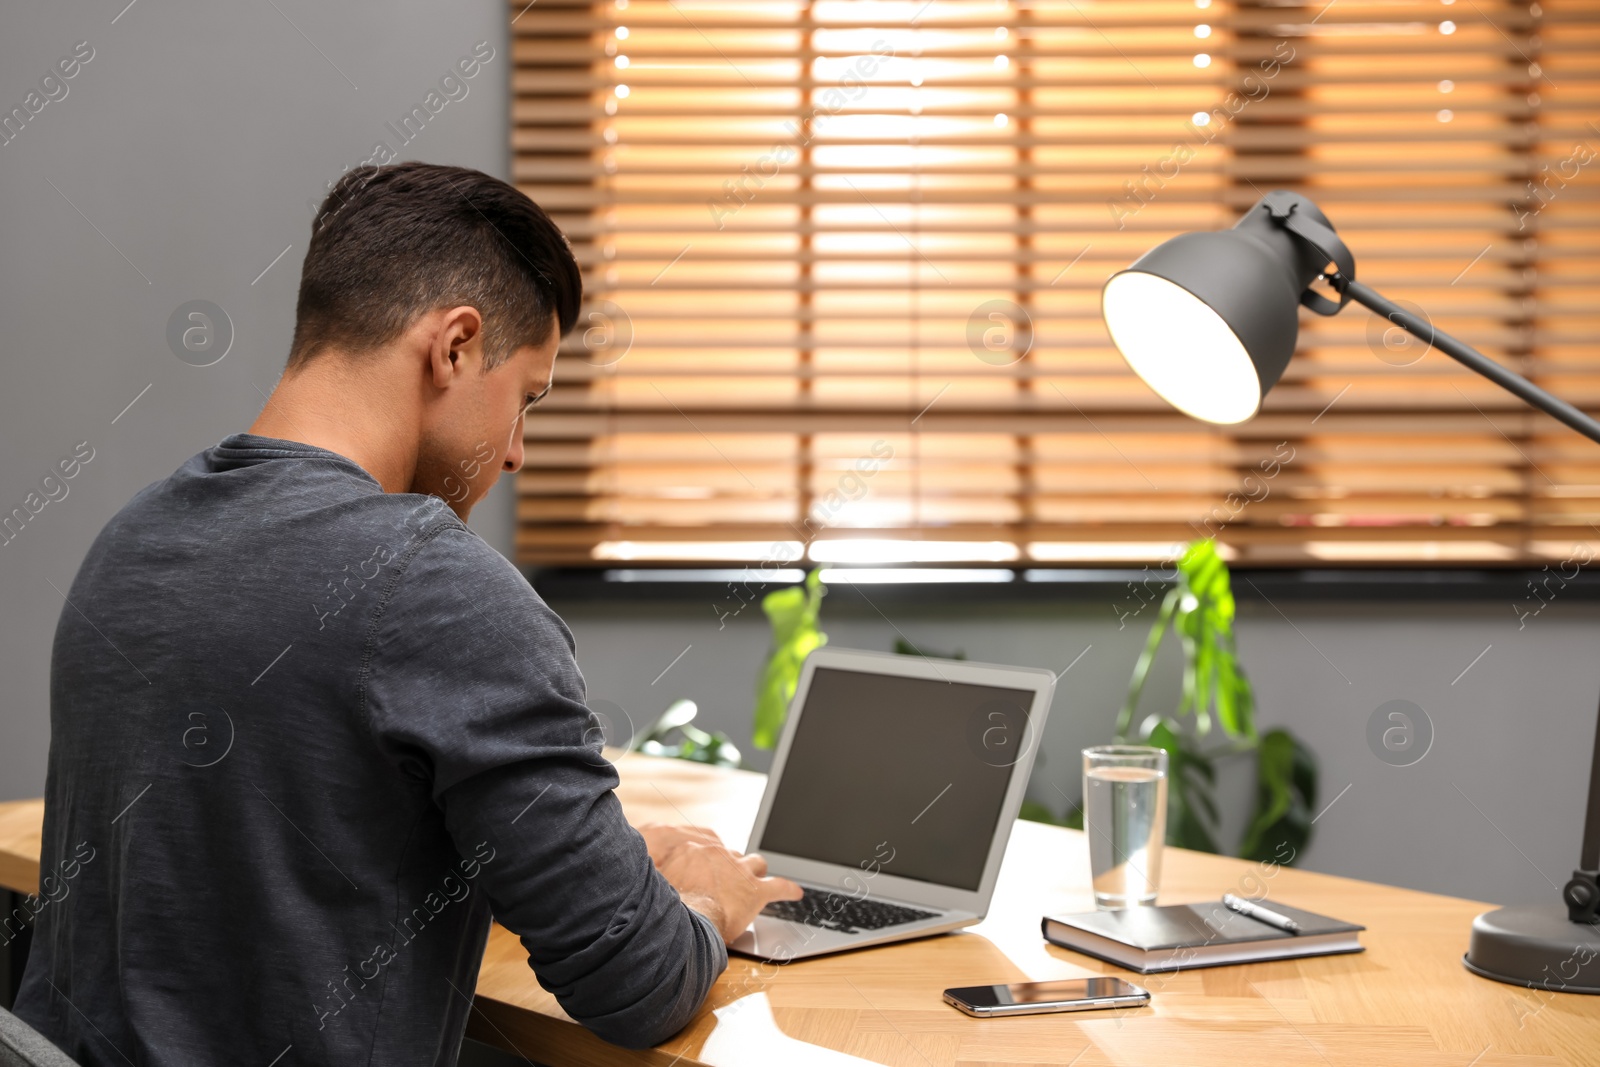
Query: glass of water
[[1125, 816]]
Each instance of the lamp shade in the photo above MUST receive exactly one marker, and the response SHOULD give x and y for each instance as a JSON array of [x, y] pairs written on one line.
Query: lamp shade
[[1209, 320]]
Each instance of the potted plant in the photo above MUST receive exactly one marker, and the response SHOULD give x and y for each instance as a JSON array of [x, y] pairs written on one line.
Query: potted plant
[[1214, 722], [675, 736]]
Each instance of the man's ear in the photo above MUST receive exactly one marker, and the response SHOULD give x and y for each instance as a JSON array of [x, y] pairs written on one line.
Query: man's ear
[[456, 345]]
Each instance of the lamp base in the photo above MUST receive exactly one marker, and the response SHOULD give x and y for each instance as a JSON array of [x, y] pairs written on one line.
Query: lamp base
[[1536, 947]]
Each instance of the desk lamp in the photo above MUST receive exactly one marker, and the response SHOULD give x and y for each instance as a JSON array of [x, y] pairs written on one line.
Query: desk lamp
[[1209, 321]]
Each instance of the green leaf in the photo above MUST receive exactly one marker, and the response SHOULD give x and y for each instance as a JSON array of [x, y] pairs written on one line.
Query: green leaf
[[1245, 704], [1162, 735], [1274, 765], [793, 613], [902, 647], [1304, 778], [695, 744], [1286, 793], [1191, 809], [1205, 661], [1034, 811], [1141, 669], [1214, 684], [1201, 799], [1191, 833], [1227, 695], [1184, 828], [677, 713]]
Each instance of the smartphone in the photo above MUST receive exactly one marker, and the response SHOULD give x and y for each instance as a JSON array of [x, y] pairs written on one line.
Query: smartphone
[[1035, 998]]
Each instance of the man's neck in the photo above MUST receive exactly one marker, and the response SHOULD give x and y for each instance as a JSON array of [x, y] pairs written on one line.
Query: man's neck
[[327, 407]]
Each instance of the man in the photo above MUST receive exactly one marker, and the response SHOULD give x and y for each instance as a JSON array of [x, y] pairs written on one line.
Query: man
[[308, 731]]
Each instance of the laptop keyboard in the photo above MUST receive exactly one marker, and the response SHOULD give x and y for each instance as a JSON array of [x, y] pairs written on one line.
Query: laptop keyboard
[[848, 915]]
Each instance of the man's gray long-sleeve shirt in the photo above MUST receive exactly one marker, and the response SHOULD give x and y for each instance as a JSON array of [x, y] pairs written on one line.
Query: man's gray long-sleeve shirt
[[306, 737]]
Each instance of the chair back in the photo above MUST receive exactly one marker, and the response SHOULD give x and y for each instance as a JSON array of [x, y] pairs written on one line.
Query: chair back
[[23, 1046]]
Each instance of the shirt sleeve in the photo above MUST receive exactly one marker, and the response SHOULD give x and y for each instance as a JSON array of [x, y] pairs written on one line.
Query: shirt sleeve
[[470, 681]]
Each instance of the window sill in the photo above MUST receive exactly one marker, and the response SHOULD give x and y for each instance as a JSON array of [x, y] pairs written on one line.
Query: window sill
[[1042, 585]]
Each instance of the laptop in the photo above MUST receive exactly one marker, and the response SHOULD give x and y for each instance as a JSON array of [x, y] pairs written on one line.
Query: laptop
[[892, 795]]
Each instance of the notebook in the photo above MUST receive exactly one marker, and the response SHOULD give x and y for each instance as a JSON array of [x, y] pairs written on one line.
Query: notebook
[[1178, 936]]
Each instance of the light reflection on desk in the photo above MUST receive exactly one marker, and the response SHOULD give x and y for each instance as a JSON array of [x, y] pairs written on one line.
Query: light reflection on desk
[[746, 1033]]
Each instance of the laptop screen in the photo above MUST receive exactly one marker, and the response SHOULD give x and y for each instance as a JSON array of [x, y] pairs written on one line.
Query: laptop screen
[[908, 772]]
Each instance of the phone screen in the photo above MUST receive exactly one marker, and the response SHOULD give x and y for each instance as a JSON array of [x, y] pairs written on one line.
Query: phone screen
[[1042, 993]]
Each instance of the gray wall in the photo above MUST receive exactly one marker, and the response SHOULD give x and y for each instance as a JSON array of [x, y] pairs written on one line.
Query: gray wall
[[182, 157], [1493, 811]]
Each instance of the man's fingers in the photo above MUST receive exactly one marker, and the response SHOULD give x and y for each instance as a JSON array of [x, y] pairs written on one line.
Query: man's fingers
[[777, 888], [697, 833], [773, 888]]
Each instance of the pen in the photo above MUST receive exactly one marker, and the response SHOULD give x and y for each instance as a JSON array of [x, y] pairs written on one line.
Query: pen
[[1257, 912]]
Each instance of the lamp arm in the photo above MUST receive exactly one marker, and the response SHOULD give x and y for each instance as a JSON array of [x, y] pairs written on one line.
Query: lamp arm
[[1469, 357]]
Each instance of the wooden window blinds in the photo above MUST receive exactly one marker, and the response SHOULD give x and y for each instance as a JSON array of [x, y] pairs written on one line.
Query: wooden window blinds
[[843, 261]]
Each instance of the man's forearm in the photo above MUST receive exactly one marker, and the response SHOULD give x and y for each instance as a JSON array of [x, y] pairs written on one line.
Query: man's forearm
[[645, 1025]]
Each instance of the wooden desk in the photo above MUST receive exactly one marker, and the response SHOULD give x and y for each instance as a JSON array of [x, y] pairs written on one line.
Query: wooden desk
[[1406, 1000]]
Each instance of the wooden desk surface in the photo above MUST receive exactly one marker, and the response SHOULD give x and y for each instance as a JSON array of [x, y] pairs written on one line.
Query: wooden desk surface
[[1406, 1000], [21, 827]]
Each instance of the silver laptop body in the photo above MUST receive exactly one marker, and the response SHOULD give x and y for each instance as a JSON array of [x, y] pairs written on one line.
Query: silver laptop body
[[891, 798]]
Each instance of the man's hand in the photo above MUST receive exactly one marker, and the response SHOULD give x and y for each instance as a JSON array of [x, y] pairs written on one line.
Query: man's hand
[[665, 840], [728, 888]]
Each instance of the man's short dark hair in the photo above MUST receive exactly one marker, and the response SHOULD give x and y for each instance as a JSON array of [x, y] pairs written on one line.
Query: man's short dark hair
[[392, 243]]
